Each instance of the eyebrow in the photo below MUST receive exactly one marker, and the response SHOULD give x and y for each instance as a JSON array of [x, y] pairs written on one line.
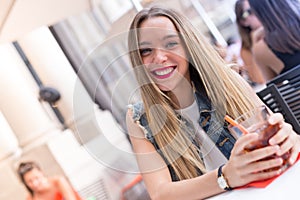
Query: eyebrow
[[164, 38], [170, 36], [144, 43]]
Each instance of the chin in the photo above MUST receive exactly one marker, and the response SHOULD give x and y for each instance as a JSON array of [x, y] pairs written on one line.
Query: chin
[[164, 88]]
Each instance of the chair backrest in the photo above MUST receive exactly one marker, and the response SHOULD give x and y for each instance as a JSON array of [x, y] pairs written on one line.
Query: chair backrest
[[288, 85], [292, 74], [96, 191], [272, 97]]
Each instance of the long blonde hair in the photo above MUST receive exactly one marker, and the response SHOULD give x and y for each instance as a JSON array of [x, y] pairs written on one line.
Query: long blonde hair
[[228, 93]]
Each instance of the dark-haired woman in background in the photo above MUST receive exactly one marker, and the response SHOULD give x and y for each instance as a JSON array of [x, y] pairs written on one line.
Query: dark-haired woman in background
[[248, 26], [281, 22], [41, 187]]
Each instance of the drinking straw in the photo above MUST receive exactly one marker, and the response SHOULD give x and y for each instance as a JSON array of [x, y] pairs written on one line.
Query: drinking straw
[[234, 123]]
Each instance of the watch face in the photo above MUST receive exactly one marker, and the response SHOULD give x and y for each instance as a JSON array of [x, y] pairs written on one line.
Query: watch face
[[222, 182]]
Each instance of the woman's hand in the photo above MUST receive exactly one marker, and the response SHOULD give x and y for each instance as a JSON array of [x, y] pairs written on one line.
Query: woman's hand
[[286, 138], [244, 167], [257, 35], [247, 166]]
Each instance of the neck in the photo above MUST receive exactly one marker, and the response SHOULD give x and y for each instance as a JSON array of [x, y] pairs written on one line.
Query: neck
[[46, 187], [183, 95]]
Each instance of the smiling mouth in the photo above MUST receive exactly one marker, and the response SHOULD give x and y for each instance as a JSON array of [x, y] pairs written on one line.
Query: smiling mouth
[[163, 72]]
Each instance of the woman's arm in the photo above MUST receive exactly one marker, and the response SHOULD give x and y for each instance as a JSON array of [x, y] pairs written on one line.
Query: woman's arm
[[239, 170], [156, 174], [254, 71], [251, 67]]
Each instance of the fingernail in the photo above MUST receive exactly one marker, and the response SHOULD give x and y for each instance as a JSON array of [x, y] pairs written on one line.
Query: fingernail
[[277, 147], [272, 141], [280, 160], [292, 160], [279, 153], [279, 171], [278, 150]]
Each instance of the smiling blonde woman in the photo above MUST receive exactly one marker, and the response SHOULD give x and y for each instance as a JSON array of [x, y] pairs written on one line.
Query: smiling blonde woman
[[182, 144]]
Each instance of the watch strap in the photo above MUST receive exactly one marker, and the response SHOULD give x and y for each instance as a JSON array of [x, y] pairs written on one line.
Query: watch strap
[[220, 173]]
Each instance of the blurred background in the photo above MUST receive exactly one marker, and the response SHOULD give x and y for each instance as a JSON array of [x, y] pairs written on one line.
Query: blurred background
[[65, 83]]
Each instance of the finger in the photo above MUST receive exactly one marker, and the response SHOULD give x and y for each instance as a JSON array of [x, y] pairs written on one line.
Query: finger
[[293, 155], [263, 175], [267, 165], [286, 146], [275, 118], [244, 141], [261, 153], [282, 134]]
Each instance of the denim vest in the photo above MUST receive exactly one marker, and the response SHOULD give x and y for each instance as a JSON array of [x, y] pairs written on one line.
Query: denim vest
[[218, 132]]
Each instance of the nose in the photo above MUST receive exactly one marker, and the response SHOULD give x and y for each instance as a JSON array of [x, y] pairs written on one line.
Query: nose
[[247, 21], [35, 182], [160, 56]]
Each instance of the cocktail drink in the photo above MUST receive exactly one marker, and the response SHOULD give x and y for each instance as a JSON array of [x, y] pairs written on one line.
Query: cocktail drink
[[256, 121]]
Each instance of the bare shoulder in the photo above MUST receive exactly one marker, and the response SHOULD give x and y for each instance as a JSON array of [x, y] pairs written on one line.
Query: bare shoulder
[[136, 134], [259, 46], [264, 56], [59, 180], [56, 178]]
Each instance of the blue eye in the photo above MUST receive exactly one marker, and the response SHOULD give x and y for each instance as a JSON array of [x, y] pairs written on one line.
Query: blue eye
[[145, 51], [171, 44]]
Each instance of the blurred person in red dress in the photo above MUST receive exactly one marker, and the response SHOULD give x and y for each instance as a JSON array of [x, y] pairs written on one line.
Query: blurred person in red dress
[[41, 187]]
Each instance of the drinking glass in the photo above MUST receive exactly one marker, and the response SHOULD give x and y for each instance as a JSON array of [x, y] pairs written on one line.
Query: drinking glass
[[256, 121]]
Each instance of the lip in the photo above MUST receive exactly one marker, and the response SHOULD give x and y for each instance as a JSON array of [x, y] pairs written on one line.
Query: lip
[[164, 72]]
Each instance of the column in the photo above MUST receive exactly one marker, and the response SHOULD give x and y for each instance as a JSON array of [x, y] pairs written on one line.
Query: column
[[19, 99], [54, 70], [8, 141]]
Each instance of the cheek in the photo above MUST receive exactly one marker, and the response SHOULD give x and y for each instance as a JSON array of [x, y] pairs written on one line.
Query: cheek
[[28, 181], [31, 185], [184, 67], [147, 64], [181, 54], [147, 61], [182, 59], [245, 22], [256, 21]]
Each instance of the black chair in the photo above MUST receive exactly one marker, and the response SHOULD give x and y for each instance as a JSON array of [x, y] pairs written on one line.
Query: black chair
[[288, 85], [273, 98]]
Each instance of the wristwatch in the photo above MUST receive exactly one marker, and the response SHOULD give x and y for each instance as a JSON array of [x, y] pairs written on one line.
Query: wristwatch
[[222, 180]]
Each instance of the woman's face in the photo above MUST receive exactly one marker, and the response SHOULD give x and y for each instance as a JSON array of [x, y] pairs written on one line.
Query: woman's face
[[248, 19], [35, 179], [163, 53]]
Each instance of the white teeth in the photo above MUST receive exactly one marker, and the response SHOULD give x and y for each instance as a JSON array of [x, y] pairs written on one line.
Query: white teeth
[[163, 72]]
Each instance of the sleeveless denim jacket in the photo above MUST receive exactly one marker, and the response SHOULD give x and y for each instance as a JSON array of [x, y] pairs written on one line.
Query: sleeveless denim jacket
[[217, 131]]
